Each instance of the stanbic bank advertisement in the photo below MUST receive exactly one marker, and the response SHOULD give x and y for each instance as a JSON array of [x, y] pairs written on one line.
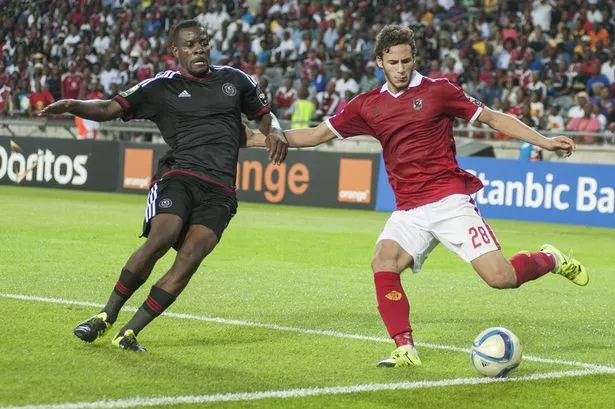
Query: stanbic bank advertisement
[[555, 192]]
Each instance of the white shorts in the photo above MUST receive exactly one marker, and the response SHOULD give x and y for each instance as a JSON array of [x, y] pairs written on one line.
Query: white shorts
[[453, 221]]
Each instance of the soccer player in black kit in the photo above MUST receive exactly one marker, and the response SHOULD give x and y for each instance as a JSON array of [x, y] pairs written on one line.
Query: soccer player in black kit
[[192, 197]]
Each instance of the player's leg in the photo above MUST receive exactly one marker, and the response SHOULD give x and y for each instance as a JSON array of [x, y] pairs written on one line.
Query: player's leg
[[165, 229], [163, 225], [524, 266], [208, 220], [459, 226], [198, 243], [402, 244]]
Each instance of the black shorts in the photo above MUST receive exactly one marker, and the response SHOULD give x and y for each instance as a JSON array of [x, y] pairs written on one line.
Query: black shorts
[[194, 200]]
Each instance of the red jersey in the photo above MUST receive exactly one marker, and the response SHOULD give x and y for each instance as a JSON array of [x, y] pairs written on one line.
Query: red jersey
[[146, 71], [415, 129], [71, 85], [284, 97], [39, 100], [5, 93]]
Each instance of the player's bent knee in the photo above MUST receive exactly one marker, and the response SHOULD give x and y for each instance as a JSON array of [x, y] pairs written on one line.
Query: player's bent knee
[[383, 265], [191, 256], [389, 256]]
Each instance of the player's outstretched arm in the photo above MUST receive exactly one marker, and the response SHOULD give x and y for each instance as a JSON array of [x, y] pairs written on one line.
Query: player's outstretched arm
[[93, 109], [254, 138], [297, 138], [306, 137], [269, 135], [511, 126]]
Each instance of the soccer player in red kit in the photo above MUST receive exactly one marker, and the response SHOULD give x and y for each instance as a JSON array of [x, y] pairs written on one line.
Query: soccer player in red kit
[[71, 82], [412, 116]]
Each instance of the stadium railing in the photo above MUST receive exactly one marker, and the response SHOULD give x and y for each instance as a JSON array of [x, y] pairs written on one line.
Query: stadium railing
[[63, 127]]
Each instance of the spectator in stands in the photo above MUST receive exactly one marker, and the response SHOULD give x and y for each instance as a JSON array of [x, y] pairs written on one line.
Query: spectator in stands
[[537, 85], [527, 151], [348, 95], [554, 121], [493, 89], [596, 78], [369, 80], [326, 102], [541, 14], [303, 110], [311, 60], [596, 113], [537, 108], [473, 86], [451, 69], [284, 98], [331, 36], [264, 56], [346, 82], [505, 54], [585, 123], [71, 82], [5, 96], [434, 70], [263, 84], [145, 71], [604, 100], [102, 41], [38, 75], [287, 49], [608, 67], [72, 39], [95, 91], [22, 97], [523, 37], [318, 78], [110, 75], [39, 99], [578, 110], [510, 92]]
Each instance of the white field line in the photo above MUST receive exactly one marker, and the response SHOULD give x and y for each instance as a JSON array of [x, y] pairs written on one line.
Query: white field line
[[298, 393], [590, 366]]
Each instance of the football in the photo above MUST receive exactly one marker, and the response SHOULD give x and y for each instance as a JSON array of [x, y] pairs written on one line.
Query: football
[[496, 352]]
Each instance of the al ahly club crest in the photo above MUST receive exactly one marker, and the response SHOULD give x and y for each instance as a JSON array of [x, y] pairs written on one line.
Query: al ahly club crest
[[417, 104]]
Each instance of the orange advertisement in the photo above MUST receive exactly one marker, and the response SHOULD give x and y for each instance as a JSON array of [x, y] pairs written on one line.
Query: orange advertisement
[[137, 168], [355, 181]]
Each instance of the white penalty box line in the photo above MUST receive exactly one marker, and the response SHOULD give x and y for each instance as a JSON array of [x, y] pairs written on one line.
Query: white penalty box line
[[586, 369], [296, 393]]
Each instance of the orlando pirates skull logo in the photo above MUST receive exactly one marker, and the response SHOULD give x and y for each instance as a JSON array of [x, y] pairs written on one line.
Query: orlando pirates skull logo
[[229, 89]]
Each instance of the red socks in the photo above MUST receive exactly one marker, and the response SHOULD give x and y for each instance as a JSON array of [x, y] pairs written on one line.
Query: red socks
[[393, 306], [530, 266]]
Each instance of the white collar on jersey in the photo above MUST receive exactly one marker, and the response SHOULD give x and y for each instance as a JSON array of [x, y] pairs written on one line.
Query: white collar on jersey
[[415, 81]]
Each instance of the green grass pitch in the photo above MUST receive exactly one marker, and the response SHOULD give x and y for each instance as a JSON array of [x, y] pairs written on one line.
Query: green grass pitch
[[262, 323]]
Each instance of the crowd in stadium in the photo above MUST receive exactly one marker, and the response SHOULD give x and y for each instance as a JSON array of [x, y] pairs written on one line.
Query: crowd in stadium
[[551, 63]]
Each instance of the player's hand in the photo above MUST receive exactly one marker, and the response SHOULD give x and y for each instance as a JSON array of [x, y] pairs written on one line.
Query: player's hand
[[277, 145], [59, 107], [561, 145]]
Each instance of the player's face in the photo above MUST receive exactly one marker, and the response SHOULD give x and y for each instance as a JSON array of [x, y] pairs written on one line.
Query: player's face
[[398, 64], [192, 50]]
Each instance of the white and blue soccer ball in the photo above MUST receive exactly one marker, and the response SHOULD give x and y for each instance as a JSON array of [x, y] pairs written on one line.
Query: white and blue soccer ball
[[496, 352]]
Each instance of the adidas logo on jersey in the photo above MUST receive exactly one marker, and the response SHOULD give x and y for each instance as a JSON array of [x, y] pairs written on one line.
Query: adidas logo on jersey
[[184, 94]]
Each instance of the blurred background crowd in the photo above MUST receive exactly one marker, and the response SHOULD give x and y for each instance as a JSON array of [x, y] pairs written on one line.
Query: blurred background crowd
[[551, 63]]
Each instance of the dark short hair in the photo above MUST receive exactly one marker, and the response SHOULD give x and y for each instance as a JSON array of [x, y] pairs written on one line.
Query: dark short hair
[[392, 35], [182, 25]]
